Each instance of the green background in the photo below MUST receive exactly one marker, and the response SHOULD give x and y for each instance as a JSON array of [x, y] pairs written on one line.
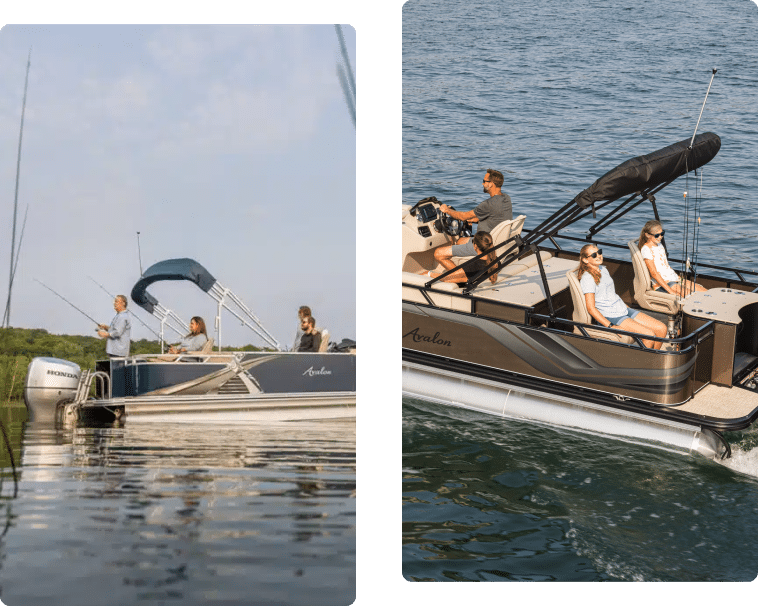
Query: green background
[[378, 71]]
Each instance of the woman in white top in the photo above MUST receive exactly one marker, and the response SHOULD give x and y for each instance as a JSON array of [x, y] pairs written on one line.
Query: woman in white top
[[662, 276], [605, 306]]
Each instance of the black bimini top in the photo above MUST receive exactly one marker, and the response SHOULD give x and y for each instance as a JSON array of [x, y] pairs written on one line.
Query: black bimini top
[[654, 169], [171, 269]]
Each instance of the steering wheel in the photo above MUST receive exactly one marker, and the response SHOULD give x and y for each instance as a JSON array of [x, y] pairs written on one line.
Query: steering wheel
[[448, 225]]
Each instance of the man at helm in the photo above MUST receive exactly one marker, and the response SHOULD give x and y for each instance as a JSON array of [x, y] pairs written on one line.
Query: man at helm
[[490, 213]]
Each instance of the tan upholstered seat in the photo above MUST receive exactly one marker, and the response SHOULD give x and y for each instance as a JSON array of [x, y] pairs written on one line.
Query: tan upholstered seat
[[500, 233], [644, 294], [582, 315], [507, 229], [206, 348], [324, 340]]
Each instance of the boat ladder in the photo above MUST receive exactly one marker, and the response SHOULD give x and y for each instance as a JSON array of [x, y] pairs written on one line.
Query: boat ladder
[[70, 411], [85, 382]]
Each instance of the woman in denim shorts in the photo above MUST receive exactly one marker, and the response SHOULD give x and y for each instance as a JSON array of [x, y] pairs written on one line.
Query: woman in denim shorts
[[605, 306]]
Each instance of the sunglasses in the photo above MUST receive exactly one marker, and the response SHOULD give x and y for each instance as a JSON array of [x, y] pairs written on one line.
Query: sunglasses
[[595, 254], [659, 235]]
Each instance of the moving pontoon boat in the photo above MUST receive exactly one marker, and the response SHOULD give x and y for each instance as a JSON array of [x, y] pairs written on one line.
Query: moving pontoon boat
[[204, 385], [525, 347]]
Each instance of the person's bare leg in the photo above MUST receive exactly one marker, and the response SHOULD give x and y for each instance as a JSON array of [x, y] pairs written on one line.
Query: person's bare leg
[[444, 254], [646, 325]]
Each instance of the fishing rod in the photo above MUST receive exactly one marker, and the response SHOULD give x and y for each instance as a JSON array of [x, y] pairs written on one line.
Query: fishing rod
[[129, 311], [691, 269], [70, 303], [713, 75]]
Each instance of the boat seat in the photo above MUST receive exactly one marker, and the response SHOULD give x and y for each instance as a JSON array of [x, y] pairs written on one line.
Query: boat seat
[[646, 297], [582, 315], [205, 349], [441, 293], [500, 233], [324, 340]]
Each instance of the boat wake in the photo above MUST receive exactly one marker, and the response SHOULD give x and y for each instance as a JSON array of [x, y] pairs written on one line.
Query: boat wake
[[744, 457]]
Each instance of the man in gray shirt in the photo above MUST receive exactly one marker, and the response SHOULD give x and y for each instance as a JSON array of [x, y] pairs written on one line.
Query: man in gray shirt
[[490, 213], [118, 334]]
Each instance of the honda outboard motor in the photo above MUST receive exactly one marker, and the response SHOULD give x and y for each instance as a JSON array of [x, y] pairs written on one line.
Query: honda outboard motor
[[49, 382]]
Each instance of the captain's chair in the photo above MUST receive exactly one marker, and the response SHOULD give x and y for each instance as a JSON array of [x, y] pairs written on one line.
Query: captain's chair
[[500, 233], [583, 316], [646, 297], [507, 229]]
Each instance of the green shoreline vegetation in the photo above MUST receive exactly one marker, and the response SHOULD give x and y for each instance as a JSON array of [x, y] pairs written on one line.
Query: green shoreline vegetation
[[18, 346]]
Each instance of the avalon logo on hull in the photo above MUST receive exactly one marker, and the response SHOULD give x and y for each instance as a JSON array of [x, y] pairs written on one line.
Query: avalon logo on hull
[[312, 373], [418, 337]]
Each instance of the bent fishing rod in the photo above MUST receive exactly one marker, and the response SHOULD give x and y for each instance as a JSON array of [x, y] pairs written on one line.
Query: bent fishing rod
[[98, 324]]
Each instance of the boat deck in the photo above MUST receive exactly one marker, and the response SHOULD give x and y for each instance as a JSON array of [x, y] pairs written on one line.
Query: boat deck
[[722, 403], [521, 284]]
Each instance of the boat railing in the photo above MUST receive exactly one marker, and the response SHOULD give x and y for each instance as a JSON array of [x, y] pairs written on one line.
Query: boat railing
[[679, 343], [217, 356], [739, 273]]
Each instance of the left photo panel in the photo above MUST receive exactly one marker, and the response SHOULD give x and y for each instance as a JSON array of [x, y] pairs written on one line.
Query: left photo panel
[[178, 286]]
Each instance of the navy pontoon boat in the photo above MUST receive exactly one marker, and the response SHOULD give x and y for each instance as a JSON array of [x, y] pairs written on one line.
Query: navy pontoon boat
[[270, 384]]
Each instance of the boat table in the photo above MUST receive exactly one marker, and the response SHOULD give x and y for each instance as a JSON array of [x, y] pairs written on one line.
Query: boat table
[[719, 304], [724, 307]]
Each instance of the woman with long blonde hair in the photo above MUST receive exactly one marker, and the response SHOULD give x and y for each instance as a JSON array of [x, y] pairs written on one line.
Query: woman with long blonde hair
[[663, 278], [605, 306], [482, 243]]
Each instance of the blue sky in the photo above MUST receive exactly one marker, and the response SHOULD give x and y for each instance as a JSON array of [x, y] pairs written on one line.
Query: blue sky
[[231, 145]]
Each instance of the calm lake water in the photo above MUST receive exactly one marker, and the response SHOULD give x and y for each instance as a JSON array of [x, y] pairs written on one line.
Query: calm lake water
[[554, 95], [180, 513]]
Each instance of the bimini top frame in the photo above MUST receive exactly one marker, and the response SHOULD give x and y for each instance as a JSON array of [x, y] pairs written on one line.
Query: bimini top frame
[[639, 178], [192, 271]]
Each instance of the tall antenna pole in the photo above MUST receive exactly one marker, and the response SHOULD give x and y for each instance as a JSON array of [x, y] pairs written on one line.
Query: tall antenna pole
[[7, 316]]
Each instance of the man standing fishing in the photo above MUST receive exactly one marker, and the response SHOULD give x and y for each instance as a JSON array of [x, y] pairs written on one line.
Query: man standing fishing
[[119, 332]]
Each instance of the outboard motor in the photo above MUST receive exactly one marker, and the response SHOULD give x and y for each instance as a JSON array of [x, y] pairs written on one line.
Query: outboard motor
[[49, 382]]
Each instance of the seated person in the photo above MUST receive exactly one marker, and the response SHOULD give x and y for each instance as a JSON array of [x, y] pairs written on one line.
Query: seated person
[[488, 215], [662, 276], [482, 242], [605, 306], [311, 339], [195, 340], [303, 312]]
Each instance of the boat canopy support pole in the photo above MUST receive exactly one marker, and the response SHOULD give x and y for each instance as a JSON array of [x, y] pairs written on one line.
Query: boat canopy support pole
[[164, 315], [536, 251], [220, 294]]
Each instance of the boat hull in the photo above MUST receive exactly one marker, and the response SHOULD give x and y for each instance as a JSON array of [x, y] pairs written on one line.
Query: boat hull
[[513, 402], [260, 386]]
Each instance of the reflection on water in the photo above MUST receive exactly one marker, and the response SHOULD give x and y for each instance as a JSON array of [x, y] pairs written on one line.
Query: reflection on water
[[202, 514]]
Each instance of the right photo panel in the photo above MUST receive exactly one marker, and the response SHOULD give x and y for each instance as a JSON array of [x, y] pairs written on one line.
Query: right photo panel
[[580, 291]]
